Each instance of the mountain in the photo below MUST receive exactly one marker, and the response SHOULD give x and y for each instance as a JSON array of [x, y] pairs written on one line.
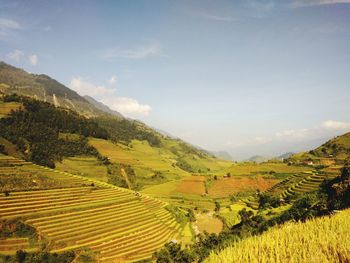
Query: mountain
[[222, 154], [101, 106], [285, 155], [334, 150], [44, 88], [258, 158], [338, 147]]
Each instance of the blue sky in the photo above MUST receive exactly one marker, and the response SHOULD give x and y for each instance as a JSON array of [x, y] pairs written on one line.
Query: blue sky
[[249, 77]]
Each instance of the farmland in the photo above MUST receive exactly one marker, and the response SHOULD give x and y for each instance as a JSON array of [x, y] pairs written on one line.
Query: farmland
[[118, 225], [225, 187], [7, 107], [318, 240], [87, 166]]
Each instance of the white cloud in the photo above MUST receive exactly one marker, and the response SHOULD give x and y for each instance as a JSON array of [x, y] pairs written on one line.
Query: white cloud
[[302, 3], [336, 125], [113, 79], [84, 87], [128, 106], [33, 59], [261, 140], [292, 134], [15, 55], [133, 53], [9, 24]]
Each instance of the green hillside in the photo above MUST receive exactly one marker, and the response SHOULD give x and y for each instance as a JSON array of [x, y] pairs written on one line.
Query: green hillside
[[334, 151]]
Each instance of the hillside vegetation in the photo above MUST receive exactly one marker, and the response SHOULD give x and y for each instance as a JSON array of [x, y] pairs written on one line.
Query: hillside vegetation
[[317, 240], [35, 130], [334, 151], [42, 87]]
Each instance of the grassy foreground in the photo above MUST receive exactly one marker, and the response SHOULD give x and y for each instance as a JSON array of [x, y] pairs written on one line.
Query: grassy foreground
[[323, 239]]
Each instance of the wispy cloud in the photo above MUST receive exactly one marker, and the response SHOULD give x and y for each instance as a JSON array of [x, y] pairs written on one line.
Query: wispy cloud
[[325, 129], [215, 17], [113, 79], [262, 6], [8, 28], [15, 55], [85, 87], [127, 106], [304, 3], [33, 59], [9, 24], [336, 125], [140, 52]]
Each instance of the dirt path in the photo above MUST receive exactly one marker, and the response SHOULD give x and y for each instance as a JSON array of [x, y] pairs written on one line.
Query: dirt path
[[126, 177]]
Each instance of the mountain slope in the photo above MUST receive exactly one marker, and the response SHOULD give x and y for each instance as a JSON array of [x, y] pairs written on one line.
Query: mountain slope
[[44, 88], [336, 150], [101, 106]]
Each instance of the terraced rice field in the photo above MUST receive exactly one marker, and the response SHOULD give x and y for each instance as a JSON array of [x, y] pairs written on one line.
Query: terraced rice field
[[7, 107], [296, 184], [87, 166], [192, 185], [113, 222], [227, 186]]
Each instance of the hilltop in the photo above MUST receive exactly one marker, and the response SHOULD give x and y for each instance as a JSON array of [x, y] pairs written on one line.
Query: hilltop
[[44, 88], [336, 150]]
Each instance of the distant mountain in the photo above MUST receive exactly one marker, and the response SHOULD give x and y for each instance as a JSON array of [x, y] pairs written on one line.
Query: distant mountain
[[258, 158], [44, 88], [101, 106], [285, 155], [222, 155]]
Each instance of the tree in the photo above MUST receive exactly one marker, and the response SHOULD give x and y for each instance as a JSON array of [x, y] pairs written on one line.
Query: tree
[[191, 216], [21, 256], [217, 206]]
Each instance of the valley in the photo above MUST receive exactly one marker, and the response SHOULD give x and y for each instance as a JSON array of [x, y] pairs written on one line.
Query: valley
[[93, 186]]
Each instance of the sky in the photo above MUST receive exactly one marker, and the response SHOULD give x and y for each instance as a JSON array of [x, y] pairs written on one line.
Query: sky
[[247, 77]]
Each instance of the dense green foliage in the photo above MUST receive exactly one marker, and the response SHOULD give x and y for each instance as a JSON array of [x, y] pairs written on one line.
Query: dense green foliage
[[123, 130], [40, 257], [35, 131], [116, 177]]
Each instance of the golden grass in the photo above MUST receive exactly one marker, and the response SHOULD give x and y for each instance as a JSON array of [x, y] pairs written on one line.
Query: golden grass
[[192, 185], [87, 166], [249, 168], [227, 186], [7, 107], [208, 222], [323, 239]]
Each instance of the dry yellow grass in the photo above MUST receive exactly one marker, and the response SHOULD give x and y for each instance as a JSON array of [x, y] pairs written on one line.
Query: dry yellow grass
[[192, 185], [224, 187], [323, 239]]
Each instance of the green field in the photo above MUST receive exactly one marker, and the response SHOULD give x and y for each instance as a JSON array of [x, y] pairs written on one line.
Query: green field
[[87, 166], [7, 107]]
